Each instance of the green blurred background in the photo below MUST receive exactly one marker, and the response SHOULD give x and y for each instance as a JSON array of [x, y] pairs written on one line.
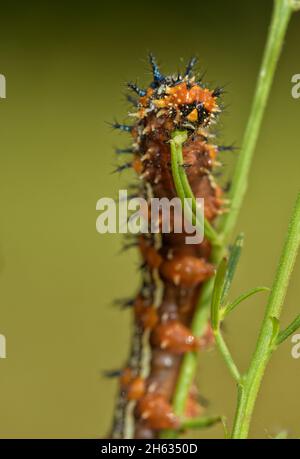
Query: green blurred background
[[66, 64]]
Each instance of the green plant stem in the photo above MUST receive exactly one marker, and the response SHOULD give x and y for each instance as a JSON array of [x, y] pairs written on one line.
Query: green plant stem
[[280, 19], [190, 360], [231, 306], [178, 138], [279, 23], [267, 340], [222, 346], [183, 187]]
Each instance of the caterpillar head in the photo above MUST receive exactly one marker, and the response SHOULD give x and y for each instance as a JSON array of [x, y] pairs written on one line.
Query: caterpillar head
[[181, 98]]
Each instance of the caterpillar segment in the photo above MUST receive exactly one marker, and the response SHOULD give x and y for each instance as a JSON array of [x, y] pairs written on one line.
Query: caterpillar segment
[[173, 271]]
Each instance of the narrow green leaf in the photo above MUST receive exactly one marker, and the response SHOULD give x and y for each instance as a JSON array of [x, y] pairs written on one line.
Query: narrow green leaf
[[234, 257], [287, 332], [200, 422], [217, 293], [242, 298]]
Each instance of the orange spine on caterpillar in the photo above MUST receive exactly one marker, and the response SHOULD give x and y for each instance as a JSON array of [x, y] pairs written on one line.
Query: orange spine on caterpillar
[[172, 271]]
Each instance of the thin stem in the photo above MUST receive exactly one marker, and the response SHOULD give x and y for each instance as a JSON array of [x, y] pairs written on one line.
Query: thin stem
[[281, 15], [231, 306], [183, 187], [279, 23], [190, 359], [222, 346], [210, 232], [178, 138], [200, 319], [268, 335]]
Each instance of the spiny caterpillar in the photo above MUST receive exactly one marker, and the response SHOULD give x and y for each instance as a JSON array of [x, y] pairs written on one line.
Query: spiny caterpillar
[[173, 272]]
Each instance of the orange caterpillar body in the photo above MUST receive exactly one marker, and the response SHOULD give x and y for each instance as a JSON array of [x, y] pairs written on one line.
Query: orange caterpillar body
[[173, 271]]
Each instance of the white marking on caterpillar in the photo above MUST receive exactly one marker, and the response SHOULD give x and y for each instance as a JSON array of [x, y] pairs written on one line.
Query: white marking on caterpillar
[[129, 421]]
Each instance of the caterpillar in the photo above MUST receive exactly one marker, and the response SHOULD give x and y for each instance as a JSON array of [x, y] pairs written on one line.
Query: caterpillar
[[173, 272]]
